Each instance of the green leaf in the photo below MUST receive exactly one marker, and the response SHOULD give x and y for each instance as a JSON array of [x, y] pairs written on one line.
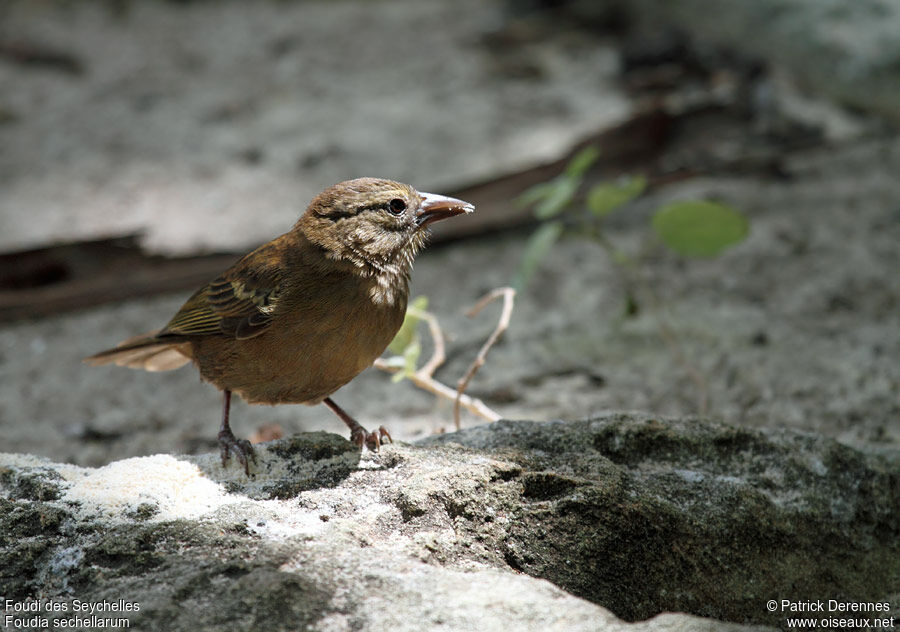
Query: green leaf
[[699, 228], [603, 199], [407, 333], [534, 194], [551, 198], [582, 162], [538, 246], [410, 360], [557, 198]]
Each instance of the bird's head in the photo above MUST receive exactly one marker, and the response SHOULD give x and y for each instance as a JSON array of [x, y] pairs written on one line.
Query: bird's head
[[376, 225]]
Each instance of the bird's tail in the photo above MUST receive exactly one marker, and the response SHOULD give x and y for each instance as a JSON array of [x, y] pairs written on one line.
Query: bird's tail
[[145, 352]]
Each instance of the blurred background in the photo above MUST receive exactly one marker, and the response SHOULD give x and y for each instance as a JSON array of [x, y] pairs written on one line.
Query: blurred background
[[145, 145]]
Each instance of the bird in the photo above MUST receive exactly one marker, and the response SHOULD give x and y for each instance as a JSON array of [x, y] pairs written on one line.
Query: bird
[[297, 318]]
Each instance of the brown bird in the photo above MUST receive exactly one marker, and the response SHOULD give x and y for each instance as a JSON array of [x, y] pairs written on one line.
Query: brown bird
[[297, 318]]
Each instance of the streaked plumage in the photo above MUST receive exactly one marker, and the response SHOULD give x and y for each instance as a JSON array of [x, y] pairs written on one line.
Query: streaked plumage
[[300, 316]]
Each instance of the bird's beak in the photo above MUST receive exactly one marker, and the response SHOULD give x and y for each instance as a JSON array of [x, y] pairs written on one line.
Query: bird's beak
[[434, 208]]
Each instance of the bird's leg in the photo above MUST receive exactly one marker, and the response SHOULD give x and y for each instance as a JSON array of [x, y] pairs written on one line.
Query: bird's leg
[[229, 443], [359, 435]]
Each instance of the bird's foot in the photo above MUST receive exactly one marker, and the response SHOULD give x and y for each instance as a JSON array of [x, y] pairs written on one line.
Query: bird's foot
[[359, 435], [242, 449], [372, 440]]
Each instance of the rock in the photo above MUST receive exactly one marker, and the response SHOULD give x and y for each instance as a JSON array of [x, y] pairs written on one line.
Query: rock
[[513, 525]]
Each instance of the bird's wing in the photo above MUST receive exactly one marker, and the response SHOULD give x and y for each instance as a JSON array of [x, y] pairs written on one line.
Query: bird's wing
[[239, 303]]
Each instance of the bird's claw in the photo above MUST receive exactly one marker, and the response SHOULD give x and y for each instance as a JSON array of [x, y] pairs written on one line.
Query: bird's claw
[[243, 450], [372, 440]]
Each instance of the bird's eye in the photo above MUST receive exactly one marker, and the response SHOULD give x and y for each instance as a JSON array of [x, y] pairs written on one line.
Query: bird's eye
[[397, 206]]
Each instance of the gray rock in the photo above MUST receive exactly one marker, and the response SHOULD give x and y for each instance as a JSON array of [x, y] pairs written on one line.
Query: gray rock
[[626, 512]]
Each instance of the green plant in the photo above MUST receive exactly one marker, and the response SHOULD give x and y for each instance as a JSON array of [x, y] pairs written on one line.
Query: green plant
[[690, 228], [407, 349], [406, 345]]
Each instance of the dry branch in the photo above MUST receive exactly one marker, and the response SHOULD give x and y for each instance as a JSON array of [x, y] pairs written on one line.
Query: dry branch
[[424, 376], [509, 295]]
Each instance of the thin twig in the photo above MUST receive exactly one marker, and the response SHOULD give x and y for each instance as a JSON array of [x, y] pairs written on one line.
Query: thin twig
[[634, 275], [437, 336], [671, 340], [508, 295], [423, 377], [675, 347], [428, 383]]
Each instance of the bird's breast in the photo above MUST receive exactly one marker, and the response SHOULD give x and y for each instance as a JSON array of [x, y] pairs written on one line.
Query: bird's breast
[[317, 343]]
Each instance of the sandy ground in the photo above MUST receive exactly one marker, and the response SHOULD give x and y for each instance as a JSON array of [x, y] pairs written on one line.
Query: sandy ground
[[211, 125], [189, 117], [796, 328]]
